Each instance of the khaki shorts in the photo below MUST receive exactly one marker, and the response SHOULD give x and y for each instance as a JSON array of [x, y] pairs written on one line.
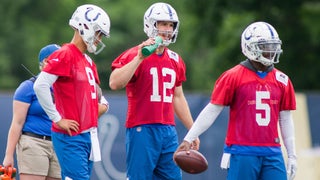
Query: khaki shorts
[[36, 156]]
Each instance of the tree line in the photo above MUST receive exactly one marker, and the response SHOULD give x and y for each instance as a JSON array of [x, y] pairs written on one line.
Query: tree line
[[208, 39]]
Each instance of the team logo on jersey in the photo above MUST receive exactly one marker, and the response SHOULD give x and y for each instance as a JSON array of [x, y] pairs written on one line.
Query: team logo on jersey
[[173, 55], [281, 77]]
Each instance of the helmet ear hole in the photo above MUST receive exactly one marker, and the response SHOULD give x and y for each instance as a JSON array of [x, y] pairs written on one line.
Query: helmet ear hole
[[85, 26]]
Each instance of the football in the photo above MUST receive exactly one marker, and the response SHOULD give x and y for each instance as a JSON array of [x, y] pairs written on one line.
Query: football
[[193, 162]]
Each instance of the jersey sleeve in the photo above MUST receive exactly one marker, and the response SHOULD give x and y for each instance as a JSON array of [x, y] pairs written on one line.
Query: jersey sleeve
[[124, 58], [59, 63], [182, 74], [223, 91]]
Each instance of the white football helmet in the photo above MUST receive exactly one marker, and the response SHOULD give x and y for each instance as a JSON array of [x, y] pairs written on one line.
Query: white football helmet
[[90, 20], [160, 12], [260, 42]]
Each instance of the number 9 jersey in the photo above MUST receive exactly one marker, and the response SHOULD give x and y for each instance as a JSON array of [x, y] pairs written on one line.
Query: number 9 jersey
[[255, 101], [150, 91], [75, 90]]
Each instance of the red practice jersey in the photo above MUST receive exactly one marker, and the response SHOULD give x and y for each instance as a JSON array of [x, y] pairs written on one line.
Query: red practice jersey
[[255, 104], [151, 89], [75, 90]]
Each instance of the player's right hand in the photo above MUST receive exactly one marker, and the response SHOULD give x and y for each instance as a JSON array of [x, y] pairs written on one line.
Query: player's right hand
[[148, 42], [184, 146], [68, 125]]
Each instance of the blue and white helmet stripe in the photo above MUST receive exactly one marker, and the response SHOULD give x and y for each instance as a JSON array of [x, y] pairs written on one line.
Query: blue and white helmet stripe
[[270, 29], [170, 11]]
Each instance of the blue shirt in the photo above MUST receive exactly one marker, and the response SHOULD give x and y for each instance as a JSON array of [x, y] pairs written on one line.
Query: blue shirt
[[37, 120]]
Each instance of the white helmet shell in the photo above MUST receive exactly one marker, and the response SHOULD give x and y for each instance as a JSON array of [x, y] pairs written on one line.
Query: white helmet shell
[[160, 12], [260, 42], [89, 20]]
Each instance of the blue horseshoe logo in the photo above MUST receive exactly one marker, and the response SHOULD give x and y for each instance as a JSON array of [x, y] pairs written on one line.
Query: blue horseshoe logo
[[247, 37], [93, 19], [108, 130]]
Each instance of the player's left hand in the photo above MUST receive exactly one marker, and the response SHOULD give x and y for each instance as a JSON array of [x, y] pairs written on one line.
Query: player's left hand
[[291, 168]]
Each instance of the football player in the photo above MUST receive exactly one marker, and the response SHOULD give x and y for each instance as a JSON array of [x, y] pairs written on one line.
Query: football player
[[74, 76], [154, 91], [259, 96]]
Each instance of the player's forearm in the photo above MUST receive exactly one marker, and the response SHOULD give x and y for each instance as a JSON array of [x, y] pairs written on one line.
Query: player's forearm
[[181, 107], [186, 119], [42, 89], [120, 77], [183, 112], [287, 132], [205, 119]]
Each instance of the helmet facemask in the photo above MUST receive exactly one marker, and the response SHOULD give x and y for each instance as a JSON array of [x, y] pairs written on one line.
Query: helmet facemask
[[98, 45], [94, 42], [268, 53], [170, 36]]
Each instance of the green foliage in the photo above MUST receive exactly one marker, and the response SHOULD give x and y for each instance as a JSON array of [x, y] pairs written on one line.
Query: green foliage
[[208, 40]]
